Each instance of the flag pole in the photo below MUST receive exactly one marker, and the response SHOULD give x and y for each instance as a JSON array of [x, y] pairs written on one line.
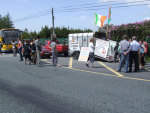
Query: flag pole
[[108, 22], [107, 27], [94, 25], [107, 32], [94, 30]]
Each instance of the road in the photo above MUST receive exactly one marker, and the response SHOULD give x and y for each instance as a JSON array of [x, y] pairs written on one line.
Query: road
[[71, 88]]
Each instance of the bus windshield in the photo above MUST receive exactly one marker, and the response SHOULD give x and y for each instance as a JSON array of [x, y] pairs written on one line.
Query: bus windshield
[[10, 35]]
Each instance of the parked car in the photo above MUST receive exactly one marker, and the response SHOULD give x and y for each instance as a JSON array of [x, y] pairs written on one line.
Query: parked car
[[61, 48], [45, 53]]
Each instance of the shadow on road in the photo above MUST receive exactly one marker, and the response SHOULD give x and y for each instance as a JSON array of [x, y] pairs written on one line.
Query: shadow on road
[[44, 101]]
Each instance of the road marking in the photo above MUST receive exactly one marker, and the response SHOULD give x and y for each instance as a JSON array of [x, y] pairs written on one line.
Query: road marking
[[82, 70], [140, 79], [120, 75], [70, 63], [104, 74], [147, 69]]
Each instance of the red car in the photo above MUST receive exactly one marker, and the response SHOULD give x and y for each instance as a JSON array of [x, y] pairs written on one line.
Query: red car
[[45, 53], [61, 48]]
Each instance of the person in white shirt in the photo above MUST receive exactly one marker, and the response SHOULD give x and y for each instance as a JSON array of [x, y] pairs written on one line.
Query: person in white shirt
[[91, 53], [134, 54]]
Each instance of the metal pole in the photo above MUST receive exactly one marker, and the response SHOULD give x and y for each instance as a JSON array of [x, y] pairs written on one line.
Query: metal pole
[[53, 32]]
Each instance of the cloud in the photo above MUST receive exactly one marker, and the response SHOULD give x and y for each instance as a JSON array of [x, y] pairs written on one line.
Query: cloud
[[147, 18]]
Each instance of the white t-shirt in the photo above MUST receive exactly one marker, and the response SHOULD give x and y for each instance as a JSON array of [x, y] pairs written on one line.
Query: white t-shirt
[[91, 47]]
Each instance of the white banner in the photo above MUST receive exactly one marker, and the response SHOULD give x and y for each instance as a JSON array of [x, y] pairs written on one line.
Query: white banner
[[84, 54], [101, 48], [74, 47]]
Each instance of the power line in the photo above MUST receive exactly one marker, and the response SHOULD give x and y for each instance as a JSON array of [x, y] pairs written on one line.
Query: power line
[[97, 8], [98, 5], [87, 8], [32, 17]]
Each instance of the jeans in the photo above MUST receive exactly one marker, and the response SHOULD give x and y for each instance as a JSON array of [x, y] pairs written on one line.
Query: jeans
[[124, 59], [54, 58], [91, 57], [38, 56], [20, 53]]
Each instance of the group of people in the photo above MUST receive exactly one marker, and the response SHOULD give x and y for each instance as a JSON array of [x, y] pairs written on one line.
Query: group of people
[[131, 52], [30, 51]]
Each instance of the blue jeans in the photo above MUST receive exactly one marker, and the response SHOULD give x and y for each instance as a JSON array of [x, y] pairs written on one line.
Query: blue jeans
[[54, 58], [124, 59], [91, 57], [20, 53]]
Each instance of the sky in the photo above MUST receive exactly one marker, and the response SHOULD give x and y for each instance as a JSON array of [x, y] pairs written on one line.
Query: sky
[[81, 18]]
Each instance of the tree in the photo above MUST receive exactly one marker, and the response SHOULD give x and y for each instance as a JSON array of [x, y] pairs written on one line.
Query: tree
[[26, 34], [45, 32], [6, 22]]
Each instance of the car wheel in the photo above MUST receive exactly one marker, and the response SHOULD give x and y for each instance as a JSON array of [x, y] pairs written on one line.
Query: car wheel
[[66, 54], [76, 55]]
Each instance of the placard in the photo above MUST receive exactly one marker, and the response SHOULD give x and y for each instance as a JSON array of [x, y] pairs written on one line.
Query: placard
[[101, 48], [84, 54]]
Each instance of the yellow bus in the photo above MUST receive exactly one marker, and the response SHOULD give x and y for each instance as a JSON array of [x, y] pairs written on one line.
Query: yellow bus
[[7, 36]]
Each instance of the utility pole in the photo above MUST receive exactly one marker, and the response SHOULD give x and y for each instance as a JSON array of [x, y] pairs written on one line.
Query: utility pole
[[53, 35]]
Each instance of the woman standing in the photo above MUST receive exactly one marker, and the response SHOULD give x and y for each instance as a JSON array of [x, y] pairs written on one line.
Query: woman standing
[[27, 52], [33, 52], [91, 53], [142, 51], [20, 50]]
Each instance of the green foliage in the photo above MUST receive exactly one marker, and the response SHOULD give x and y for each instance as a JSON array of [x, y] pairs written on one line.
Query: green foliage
[[139, 29], [6, 22], [61, 32]]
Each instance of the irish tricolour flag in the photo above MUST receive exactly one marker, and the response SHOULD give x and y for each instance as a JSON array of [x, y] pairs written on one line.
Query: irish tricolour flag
[[99, 20]]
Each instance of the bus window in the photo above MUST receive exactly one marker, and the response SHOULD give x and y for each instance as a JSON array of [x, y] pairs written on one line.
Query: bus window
[[9, 36]]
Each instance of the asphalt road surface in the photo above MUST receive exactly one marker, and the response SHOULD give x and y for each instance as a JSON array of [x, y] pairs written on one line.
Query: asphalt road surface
[[71, 88]]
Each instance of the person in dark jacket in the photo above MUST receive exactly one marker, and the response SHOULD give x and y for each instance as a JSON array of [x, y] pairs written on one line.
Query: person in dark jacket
[[116, 51], [27, 52], [33, 52]]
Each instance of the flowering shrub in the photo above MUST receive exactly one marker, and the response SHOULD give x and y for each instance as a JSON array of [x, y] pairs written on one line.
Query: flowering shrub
[[139, 29]]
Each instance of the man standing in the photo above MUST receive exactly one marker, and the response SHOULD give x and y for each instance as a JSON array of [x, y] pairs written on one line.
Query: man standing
[[134, 54], [38, 50], [54, 52], [20, 50], [125, 49]]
